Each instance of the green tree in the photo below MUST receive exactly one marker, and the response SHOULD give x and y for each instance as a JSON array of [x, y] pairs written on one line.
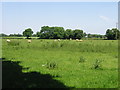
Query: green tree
[[84, 34], [68, 34], [58, 33], [112, 34], [77, 34], [45, 32], [38, 34], [3, 35], [51, 32], [89, 35], [28, 32]]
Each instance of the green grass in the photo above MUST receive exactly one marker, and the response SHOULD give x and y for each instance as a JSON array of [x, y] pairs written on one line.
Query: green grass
[[72, 61], [9, 37]]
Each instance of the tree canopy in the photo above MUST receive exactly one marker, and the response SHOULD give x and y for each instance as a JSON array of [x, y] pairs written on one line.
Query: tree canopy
[[112, 34], [47, 32], [78, 34], [28, 32]]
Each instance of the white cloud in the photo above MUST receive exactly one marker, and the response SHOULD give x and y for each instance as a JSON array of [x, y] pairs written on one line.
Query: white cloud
[[105, 18]]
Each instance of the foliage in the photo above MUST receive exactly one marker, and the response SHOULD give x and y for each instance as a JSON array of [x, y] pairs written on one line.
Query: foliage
[[97, 64], [38, 34], [47, 32], [68, 34], [84, 34], [95, 36], [15, 35], [51, 32], [34, 35], [77, 34], [28, 32], [3, 35], [112, 34]]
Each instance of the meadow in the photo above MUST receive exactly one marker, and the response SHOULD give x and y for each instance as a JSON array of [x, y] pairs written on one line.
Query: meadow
[[87, 64]]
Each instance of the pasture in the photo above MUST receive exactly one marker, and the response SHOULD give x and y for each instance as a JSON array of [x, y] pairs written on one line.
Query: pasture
[[87, 64]]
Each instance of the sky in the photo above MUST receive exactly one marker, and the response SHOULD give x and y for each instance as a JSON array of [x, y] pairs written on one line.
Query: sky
[[91, 17]]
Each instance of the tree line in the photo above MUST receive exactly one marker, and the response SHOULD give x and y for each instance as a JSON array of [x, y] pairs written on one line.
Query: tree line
[[47, 32]]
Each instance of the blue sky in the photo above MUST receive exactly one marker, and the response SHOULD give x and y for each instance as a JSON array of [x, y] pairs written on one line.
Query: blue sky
[[92, 17]]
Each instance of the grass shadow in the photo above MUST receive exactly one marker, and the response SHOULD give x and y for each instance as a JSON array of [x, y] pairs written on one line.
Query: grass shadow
[[13, 77]]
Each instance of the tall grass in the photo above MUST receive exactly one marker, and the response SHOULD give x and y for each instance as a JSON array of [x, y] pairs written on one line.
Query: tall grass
[[70, 60]]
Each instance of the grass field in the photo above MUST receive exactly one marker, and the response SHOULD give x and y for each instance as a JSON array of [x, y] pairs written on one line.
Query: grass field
[[65, 63]]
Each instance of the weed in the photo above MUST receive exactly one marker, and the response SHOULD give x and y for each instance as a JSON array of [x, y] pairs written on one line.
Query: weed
[[97, 64], [52, 65], [82, 59]]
